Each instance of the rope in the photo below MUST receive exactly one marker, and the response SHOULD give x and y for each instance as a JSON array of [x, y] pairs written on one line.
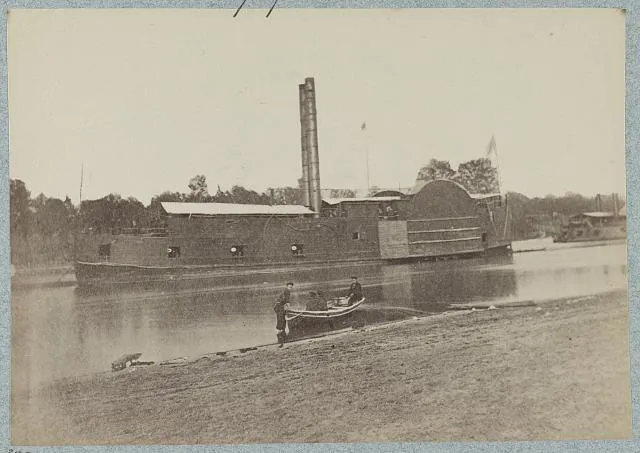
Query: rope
[[293, 317]]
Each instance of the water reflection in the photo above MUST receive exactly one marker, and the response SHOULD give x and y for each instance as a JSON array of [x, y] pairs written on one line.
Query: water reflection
[[432, 287], [59, 332]]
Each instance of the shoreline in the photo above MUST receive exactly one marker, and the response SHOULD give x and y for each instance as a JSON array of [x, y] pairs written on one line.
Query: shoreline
[[558, 369]]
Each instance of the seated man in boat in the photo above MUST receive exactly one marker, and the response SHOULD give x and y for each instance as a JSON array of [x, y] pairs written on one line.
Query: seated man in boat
[[316, 302], [355, 291]]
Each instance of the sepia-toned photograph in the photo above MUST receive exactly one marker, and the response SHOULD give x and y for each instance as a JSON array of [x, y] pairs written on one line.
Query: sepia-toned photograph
[[302, 225]]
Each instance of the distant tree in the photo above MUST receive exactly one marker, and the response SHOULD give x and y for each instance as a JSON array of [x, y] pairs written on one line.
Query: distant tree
[[569, 204], [343, 193], [436, 169], [52, 217], [95, 214], [286, 195], [169, 196], [134, 213], [37, 203], [518, 205], [478, 176], [222, 196], [239, 194], [19, 212], [113, 211], [72, 212], [199, 189]]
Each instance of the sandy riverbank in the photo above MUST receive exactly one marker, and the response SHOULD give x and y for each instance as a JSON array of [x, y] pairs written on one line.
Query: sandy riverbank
[[556, 371]]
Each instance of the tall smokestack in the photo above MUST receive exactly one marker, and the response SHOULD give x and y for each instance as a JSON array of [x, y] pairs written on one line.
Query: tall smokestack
[[598, 203], [306, 182], [312, 144], [614, 197]]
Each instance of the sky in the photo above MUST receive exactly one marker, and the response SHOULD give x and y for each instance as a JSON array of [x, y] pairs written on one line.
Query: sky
[[143, 100]]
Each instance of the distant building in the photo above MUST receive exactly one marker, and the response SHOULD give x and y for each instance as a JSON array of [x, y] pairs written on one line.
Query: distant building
[[594, 226]]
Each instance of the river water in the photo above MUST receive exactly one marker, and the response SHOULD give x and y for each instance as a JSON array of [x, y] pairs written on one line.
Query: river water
[[61, 332]]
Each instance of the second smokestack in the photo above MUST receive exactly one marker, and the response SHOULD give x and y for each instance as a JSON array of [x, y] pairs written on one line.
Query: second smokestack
[[312, 144]]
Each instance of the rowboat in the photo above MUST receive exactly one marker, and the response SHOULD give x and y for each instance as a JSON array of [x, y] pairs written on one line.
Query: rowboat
[[335, 308]]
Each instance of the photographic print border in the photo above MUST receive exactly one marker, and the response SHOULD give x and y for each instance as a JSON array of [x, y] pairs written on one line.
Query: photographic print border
[[235, 8]]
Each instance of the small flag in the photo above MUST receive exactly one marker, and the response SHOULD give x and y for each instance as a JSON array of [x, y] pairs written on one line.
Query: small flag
[[364, 126]]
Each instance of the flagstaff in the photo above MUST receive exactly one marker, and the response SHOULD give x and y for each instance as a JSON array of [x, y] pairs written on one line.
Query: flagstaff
[[81, 181], [363, 128], [492, 149]]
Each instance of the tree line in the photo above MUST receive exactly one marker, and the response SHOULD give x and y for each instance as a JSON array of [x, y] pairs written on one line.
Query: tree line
[[477, 175], [42, 228]]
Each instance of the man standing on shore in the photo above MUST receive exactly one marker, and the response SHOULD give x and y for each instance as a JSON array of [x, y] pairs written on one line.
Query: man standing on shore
[[280, 308]]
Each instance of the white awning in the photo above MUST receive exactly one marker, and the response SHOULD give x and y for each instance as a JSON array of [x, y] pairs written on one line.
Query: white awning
[[174, 208], [334, 201], [480, 196]]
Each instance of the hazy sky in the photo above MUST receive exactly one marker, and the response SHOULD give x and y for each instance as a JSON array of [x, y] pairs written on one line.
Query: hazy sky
[[146, 99]]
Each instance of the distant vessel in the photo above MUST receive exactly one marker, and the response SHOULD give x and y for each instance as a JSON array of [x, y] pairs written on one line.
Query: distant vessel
[[437, 219], [596, 225]]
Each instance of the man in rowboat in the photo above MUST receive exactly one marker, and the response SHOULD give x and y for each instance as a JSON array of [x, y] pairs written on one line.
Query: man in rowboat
[[280, 308], [316, 301], [355, 291]]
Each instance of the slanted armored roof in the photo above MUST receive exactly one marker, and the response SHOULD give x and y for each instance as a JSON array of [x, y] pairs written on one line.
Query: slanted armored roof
[[334, 201], [174, 208], [477, 196]]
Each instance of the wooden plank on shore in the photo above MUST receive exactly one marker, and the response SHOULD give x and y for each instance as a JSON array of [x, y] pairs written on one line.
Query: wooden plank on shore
[[485, 306]]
